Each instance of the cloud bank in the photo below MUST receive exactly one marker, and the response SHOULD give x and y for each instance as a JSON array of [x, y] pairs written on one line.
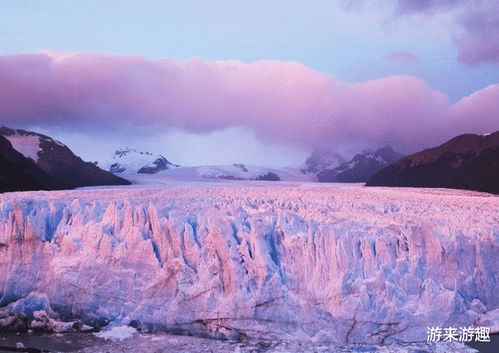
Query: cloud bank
[[279, 101]]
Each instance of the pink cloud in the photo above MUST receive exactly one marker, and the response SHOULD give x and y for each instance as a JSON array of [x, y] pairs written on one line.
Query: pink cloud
[[401, 56], [479, 112], [282, 101]]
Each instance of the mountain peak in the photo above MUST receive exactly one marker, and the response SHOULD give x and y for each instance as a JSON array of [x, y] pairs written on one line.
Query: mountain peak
[[320, 160], [361, 167], [129, 160], [388, 154]]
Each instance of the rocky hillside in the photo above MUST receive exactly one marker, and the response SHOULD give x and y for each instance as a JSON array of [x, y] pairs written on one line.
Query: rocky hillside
[[57, 161], [18, 173], [465, 162]]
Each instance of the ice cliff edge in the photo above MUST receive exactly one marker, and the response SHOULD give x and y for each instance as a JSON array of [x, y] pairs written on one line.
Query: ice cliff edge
[[345, 265]]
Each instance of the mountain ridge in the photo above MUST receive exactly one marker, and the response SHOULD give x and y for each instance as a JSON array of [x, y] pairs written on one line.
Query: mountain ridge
[[130, 160], [361, 167], [56, 160], [467, 161]]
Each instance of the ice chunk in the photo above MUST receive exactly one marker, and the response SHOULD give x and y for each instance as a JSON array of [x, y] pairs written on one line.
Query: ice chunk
[[118, 333]]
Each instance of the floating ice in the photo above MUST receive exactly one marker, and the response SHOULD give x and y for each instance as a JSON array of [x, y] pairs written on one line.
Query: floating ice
[[118, 333]]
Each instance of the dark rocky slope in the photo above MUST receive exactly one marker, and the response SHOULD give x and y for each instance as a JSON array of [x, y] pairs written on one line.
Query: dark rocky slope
[[60, 163], [18, 173], [467, 161]]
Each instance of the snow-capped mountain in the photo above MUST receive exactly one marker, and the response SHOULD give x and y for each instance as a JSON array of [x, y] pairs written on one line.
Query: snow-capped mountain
[[236, 171], [130, 161], [56, 160], [467, 161], [321, 160], [361, 167]]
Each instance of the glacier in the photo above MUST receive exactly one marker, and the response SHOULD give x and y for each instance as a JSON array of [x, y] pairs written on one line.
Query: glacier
[[322, 263]]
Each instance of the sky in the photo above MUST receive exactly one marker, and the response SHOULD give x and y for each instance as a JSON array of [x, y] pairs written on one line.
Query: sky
[[260, 82]]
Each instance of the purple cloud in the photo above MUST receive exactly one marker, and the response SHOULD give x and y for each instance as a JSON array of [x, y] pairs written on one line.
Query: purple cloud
[[430, 6], [476, 26], [281, 101], [478, 41]]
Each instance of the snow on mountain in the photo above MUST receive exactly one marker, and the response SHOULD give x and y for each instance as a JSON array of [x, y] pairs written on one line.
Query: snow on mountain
[[299, 261], [236, 171], [56, 160], [129, 161], [26, 142], [18, 173], [361, 167], [239, 171], [28, 146], [321, 160]]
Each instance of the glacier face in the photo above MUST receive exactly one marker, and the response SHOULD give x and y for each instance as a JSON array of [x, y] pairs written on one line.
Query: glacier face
[[322, 263]]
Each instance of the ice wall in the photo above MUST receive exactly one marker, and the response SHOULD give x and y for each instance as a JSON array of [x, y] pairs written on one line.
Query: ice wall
[[335, 264]]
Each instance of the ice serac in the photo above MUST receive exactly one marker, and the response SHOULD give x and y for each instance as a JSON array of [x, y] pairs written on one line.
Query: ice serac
[[344, 265]]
